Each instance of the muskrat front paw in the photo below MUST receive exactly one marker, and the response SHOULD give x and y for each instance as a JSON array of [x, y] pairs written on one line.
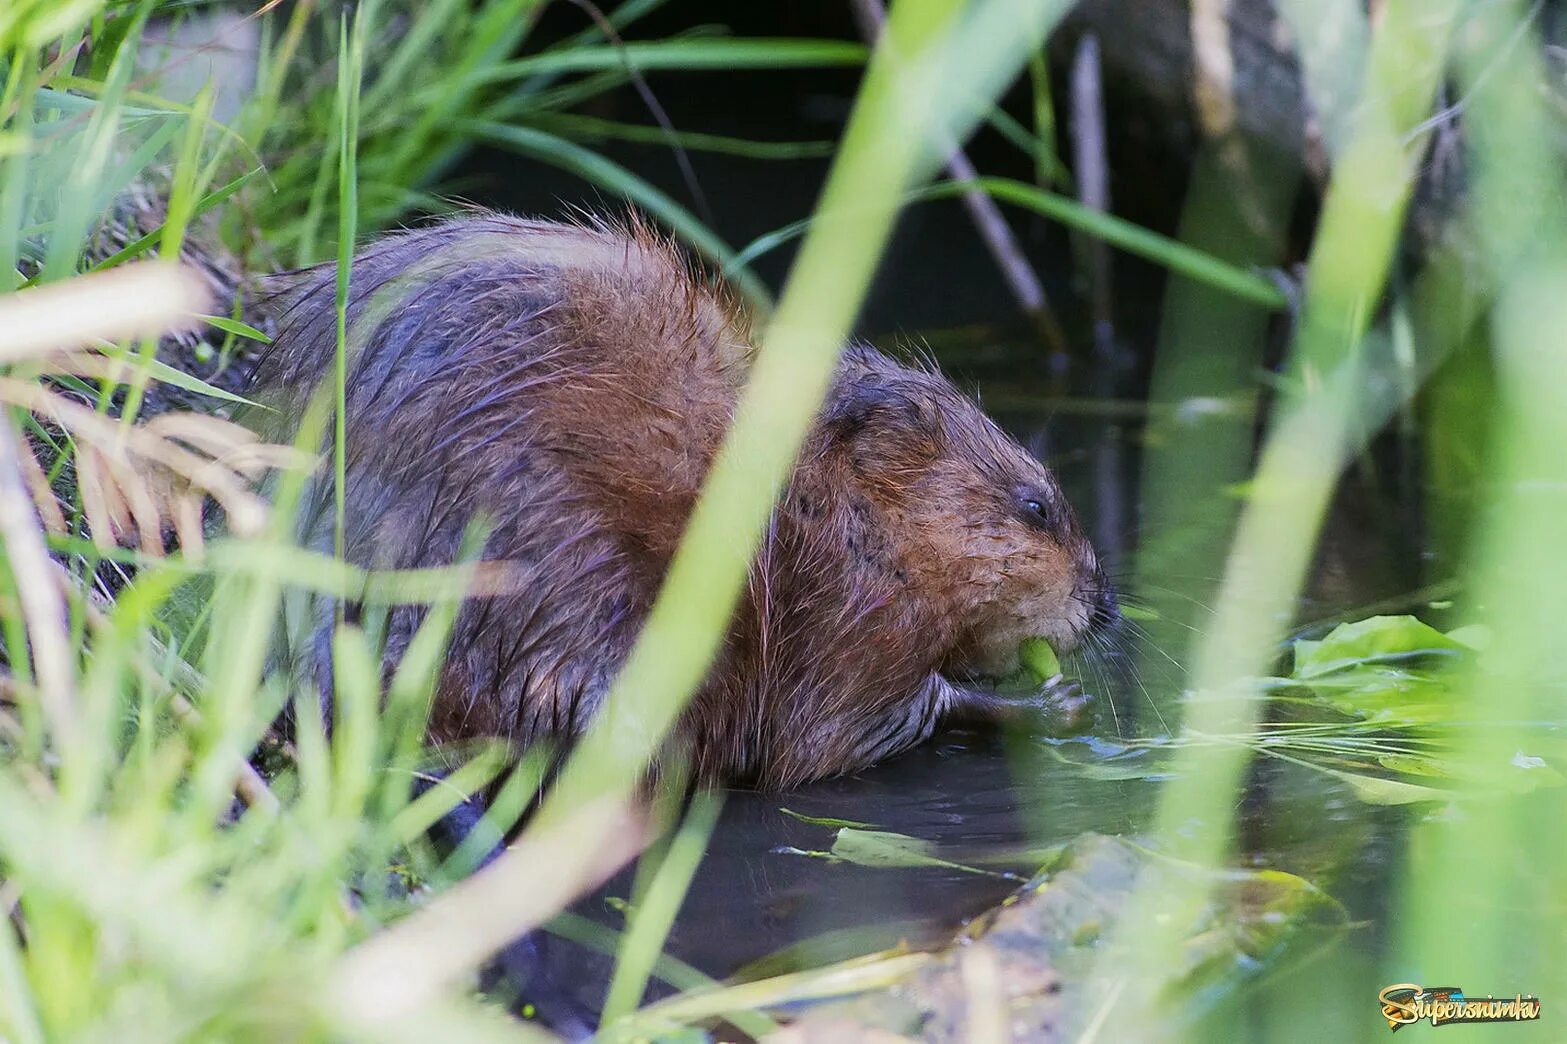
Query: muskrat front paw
[[1064, 706], [1055, 706]]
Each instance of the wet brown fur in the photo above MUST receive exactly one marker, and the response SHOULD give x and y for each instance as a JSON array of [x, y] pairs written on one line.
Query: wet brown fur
[[571, 383]]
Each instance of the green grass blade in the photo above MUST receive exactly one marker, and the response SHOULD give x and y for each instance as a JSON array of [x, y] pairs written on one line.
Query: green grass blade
[[722, 54], [1500, 871], [155, 369], [1048, 167], [15, 171], [395, 70], [183, 187], [348, 86], [492, 37], [656, 910]]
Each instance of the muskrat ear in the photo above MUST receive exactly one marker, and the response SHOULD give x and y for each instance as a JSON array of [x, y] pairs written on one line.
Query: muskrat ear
[[848, 410], [881, 427], [857, 406]]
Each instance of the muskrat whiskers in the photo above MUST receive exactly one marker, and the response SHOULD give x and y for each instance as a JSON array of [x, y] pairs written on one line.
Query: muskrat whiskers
[[1140, 633], [1095, 662], [1114, 651]]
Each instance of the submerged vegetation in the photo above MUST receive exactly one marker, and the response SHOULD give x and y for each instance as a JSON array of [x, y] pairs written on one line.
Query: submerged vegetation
[[173, 868]]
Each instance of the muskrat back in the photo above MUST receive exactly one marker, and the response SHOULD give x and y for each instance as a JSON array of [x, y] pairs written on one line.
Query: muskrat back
[[567, 386]]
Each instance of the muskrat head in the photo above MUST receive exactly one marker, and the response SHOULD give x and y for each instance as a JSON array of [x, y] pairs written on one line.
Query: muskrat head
[[980, 527]]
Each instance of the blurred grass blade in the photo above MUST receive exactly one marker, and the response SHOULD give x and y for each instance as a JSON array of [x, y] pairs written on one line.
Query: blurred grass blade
[[1330, 38], [39, 598], [655, 911], [130, 301], [874, 971], [350, 68], [423, 956]]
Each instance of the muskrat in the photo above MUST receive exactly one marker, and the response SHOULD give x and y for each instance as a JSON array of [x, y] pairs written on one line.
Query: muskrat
[[569, 384]]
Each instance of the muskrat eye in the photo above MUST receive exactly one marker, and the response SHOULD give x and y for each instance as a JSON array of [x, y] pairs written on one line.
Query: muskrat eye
[[1037, 509]]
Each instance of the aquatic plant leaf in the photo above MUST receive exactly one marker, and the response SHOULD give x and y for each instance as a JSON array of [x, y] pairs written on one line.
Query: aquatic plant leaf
[[1375, 639], [1387, 694], [1037, 667], [886, 848], [1376, 790], [1519, 775], [883, 849]]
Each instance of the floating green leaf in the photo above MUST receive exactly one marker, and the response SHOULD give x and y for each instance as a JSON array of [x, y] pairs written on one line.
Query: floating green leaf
[[1377, 639], [885, 849]]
